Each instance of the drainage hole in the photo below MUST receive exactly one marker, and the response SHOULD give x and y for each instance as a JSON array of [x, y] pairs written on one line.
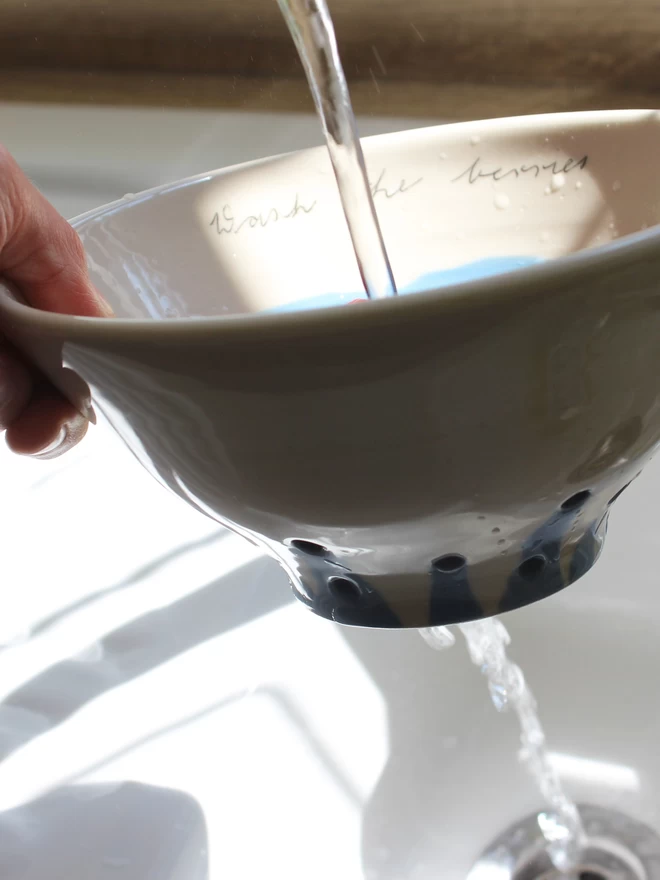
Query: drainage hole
[[576, 500], [591, 875], [344, 589], [532, 567], [309, 547], [449, 563]]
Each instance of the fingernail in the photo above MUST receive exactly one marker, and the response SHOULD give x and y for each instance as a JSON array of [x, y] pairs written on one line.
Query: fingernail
[[56, 447]]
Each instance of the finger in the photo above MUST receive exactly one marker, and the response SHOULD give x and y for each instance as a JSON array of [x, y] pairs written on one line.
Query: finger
[[39, 250], [15, 388], [48, 426]]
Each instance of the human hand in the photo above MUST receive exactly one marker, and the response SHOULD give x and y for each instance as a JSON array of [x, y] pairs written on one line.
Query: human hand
[[43, 257]]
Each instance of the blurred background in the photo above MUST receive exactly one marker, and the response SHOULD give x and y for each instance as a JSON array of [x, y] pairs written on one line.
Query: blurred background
[[423, 58]]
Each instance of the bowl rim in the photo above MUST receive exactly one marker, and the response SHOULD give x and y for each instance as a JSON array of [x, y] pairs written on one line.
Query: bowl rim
[[569, 270]]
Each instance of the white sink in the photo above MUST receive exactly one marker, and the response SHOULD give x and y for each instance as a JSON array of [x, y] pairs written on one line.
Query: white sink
[[257, 739]]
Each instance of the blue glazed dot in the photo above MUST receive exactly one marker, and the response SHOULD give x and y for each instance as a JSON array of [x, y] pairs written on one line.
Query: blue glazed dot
[[432, 281]]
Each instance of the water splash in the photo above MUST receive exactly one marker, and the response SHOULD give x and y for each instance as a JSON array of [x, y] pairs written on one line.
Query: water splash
[[438, 637], [487, 641]]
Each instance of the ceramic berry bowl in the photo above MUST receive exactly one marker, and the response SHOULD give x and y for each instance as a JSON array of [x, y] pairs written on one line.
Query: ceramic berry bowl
[[436, 457]]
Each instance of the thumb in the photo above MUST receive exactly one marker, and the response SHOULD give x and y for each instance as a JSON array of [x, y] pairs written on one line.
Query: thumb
[[40, 252]]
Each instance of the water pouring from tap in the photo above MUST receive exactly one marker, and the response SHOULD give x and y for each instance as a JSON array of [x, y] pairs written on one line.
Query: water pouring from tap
[[313, 33]]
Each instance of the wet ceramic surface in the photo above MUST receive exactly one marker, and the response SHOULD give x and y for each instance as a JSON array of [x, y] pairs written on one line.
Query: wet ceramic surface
[[437, 457]]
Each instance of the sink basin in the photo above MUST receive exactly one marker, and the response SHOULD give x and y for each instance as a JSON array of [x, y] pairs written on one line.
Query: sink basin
[[251, 738]]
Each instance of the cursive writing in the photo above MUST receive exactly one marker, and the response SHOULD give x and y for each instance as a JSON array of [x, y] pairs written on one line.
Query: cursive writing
[[380, 188], [477, 171], [227, 223]]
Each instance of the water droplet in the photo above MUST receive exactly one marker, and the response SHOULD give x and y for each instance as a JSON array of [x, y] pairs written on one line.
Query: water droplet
[[502, 541], [475, 139], [547, 191], [496, 530], [502, 201], [557, 181], [128, 196], [443, 155], [481, 516], [578, 184], [616, 186], [438, 637]]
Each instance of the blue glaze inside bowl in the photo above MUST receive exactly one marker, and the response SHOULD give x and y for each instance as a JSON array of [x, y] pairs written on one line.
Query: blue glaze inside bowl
[[432, 281]]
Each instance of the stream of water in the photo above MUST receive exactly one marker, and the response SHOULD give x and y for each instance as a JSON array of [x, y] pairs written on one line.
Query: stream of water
[[311, 27], [487, 641]]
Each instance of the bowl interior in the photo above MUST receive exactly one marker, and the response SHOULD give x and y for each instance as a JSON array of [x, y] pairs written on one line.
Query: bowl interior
[[455, 202]]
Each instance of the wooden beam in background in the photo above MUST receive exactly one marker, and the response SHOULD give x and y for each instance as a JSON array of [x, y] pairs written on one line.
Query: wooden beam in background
[[419, 100], [567, 48]]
